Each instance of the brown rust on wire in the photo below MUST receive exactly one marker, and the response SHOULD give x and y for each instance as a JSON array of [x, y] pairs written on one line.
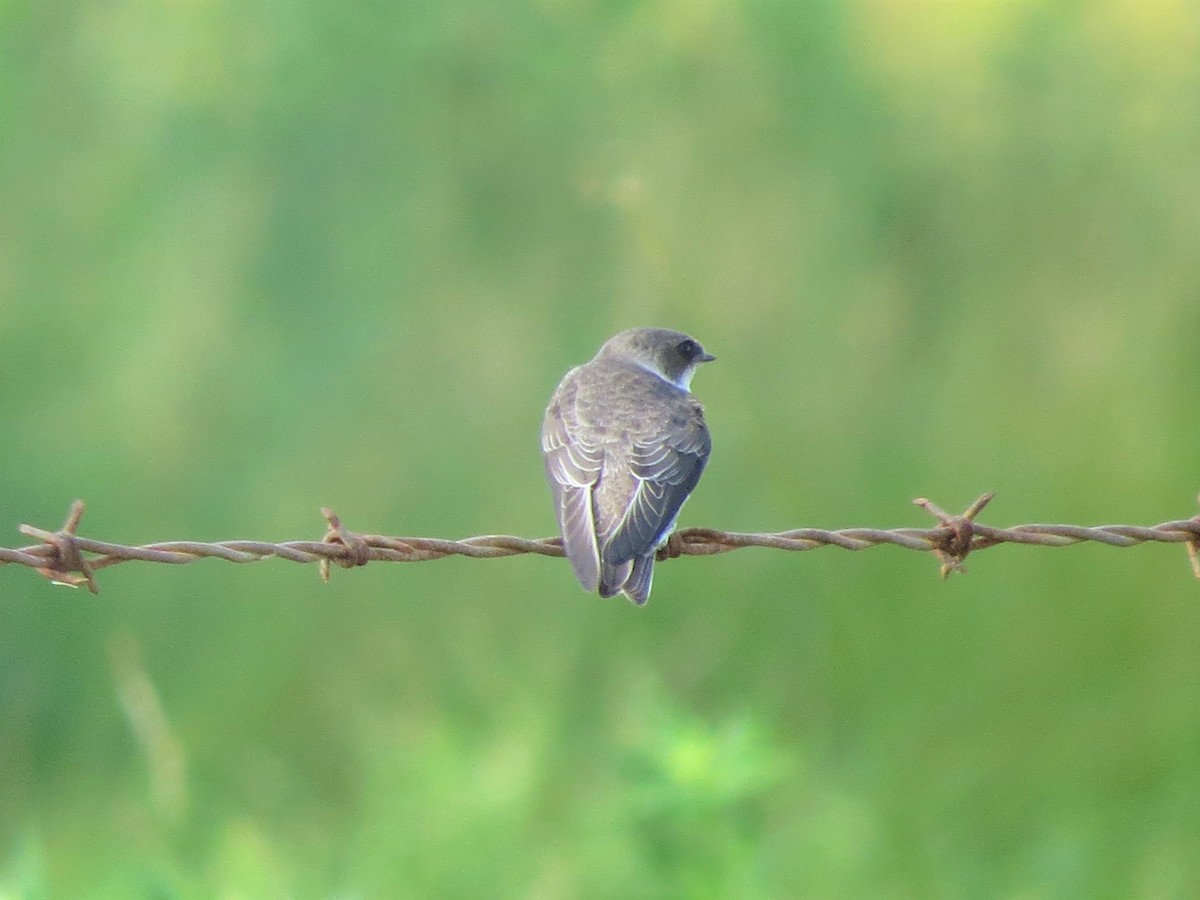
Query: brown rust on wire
[[60, 555]]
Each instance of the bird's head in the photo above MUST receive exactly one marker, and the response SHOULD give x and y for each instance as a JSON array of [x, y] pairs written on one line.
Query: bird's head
[[672, 355]]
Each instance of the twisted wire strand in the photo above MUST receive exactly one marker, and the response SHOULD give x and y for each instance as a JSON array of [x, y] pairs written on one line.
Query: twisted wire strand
[[65, 557]]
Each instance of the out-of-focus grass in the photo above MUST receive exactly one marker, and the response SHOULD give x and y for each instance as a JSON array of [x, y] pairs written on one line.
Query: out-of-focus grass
[[258, 259]]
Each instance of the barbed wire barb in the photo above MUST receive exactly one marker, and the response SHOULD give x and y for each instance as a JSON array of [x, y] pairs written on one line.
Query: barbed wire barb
[[960, 531], [65, 557]]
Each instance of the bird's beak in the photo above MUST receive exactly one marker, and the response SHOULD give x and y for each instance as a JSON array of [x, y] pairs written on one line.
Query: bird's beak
[[707, 357]]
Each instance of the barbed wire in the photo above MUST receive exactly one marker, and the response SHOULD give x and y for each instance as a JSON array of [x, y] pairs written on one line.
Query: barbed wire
[[64, 557]]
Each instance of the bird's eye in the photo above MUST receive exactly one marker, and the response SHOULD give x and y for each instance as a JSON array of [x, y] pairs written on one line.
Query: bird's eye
[[687, 349]]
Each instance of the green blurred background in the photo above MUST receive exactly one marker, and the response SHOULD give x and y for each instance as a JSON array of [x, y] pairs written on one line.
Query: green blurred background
[[261, 257]]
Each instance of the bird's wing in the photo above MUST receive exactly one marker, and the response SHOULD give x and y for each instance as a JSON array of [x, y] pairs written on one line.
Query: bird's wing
[[665, 469], [573, 467]]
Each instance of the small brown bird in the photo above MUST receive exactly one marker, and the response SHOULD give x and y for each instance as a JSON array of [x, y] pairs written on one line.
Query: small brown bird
[[625, 443]]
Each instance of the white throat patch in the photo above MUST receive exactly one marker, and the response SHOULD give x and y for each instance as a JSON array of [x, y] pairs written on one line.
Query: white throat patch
[[685, 378]]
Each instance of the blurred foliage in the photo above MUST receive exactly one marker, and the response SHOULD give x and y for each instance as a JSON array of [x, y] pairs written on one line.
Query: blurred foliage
[[256, 258]]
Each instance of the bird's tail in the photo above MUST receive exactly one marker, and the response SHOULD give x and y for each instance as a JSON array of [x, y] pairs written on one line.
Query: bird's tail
[[637, 586], [613, 577], [632, 576]]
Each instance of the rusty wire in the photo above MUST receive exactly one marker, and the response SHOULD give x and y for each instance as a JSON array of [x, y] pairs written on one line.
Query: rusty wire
[[64, 557]]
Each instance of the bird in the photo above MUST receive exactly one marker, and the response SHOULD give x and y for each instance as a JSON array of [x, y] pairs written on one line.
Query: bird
[[624, 443]]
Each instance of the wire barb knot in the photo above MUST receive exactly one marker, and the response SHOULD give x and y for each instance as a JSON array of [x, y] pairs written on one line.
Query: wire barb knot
[[357, 550], [1193, 544], [957, 532], [672, 548], [63, 556]]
